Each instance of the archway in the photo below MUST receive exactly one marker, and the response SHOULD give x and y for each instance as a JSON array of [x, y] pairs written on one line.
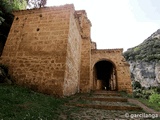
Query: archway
[[104, 76]]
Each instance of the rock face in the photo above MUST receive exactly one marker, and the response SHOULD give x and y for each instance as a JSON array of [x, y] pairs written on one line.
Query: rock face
[[155, 35], [147, 73], [144, 61]]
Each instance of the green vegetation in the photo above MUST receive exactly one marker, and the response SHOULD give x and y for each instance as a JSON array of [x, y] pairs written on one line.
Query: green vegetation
[[15, 4], [19, 103], [6, 16], [149, 96], [146, 101], [155, 98], [149, 104], [7, 6], [4, 76], [149, 50]]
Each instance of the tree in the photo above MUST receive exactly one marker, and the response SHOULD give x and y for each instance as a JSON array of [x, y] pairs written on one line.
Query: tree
[[7, 6], [36, 3], [6, 17], [16, 4]]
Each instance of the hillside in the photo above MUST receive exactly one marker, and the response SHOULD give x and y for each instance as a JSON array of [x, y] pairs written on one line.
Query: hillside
[[148, 50], [144, 61]]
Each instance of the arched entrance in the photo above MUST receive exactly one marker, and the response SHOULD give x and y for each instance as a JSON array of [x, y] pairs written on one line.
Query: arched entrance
[[104, 76]]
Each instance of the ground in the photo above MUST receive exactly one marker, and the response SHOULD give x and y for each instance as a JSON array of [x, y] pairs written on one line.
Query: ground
[[19, 103]]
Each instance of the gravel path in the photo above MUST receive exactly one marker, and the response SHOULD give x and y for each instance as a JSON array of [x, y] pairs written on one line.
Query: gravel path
[[96, 114]]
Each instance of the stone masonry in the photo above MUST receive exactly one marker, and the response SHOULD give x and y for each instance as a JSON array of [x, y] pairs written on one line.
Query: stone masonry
[[50, 50]]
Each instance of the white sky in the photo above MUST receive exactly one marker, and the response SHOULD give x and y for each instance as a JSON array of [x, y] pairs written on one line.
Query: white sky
[[118, 23]]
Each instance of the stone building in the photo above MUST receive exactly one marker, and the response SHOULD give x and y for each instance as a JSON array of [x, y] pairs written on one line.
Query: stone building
[[50, 50]]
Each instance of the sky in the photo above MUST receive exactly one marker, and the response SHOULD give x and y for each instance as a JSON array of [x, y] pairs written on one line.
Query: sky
[[118, 23]]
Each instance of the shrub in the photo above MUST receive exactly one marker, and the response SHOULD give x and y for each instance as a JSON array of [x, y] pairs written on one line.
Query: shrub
[[147, 92], [154, 98], [158, 90], [4, 77], [136, 85], [147, 51], [137, 94], [142, 92], [5, 68]]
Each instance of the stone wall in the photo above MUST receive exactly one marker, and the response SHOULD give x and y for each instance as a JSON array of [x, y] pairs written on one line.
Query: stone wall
[[93, 45], [85, 66], [36, 48], [85, 52], [122, 68], [50, 51], [72, 78]]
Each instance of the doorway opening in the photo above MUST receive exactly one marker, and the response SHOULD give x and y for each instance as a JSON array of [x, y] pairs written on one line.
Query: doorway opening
[[104, 76]]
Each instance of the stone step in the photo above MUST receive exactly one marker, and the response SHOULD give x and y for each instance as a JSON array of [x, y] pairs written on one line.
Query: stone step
[[107, 94], [105, 91], [102, 102], [106, 99], [105, 103], [105, 107]]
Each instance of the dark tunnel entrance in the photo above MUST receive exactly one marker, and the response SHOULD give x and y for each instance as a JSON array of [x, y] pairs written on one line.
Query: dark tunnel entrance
[[104, 76]]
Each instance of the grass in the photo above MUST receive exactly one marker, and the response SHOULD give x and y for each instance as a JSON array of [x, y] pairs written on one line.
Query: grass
[[125, 94], [17, 103], [142, 100], [154, 106]]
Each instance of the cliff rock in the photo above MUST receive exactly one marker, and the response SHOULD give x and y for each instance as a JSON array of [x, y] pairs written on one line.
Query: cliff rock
[[144, 61], [147, 73]]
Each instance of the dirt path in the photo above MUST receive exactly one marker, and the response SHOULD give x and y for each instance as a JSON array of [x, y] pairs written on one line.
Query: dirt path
[[145, 108]]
